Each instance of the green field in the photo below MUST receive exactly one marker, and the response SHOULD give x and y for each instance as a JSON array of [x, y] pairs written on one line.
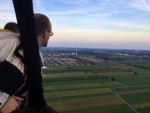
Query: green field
[[107, 88]]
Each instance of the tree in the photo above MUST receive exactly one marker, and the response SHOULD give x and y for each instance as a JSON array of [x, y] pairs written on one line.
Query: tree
[[135, 73]]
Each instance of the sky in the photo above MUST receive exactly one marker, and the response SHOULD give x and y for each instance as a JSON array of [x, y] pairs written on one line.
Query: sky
[[113, 24]]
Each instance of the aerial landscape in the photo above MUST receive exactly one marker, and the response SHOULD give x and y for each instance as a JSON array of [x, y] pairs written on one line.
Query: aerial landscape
[[98, 60], [81, 80]]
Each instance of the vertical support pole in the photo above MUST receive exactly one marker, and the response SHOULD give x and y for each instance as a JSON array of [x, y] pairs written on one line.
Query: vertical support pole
[[26, 24]]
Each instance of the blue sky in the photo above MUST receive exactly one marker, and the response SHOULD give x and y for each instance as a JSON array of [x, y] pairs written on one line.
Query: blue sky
[[119, 24]]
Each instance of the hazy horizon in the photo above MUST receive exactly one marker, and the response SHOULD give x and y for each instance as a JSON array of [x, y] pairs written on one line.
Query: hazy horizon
[[69, 47], [114, 24]]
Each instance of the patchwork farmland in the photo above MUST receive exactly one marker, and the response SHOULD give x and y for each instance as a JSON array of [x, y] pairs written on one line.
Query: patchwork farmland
[[109, 87]]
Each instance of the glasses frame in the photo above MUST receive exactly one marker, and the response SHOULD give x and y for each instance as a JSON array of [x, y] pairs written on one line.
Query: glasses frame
[[51, 33]]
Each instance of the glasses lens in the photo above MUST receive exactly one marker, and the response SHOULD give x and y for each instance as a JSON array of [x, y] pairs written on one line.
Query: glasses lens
[[51, 34]]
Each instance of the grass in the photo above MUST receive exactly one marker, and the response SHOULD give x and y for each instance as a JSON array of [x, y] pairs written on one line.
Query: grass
[[104, 109], [139, 62], [75, 90], [144, 110]]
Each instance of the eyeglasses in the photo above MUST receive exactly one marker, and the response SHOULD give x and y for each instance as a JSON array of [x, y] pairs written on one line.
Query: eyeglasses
[[51, 33]]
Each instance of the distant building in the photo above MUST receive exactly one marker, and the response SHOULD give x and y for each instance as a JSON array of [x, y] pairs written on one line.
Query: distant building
[[76, 52]]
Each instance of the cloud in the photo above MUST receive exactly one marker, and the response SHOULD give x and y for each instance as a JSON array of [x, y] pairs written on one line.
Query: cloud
[[124, 22], [77, 2], [143, 5], [38, 6], [67, 12], [100, 38], [113, 14], [7, 13], [84, 7], [130, 26]]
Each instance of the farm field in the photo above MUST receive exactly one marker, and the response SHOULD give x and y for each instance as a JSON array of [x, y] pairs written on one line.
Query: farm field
[[141, 62], [106, 88]]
